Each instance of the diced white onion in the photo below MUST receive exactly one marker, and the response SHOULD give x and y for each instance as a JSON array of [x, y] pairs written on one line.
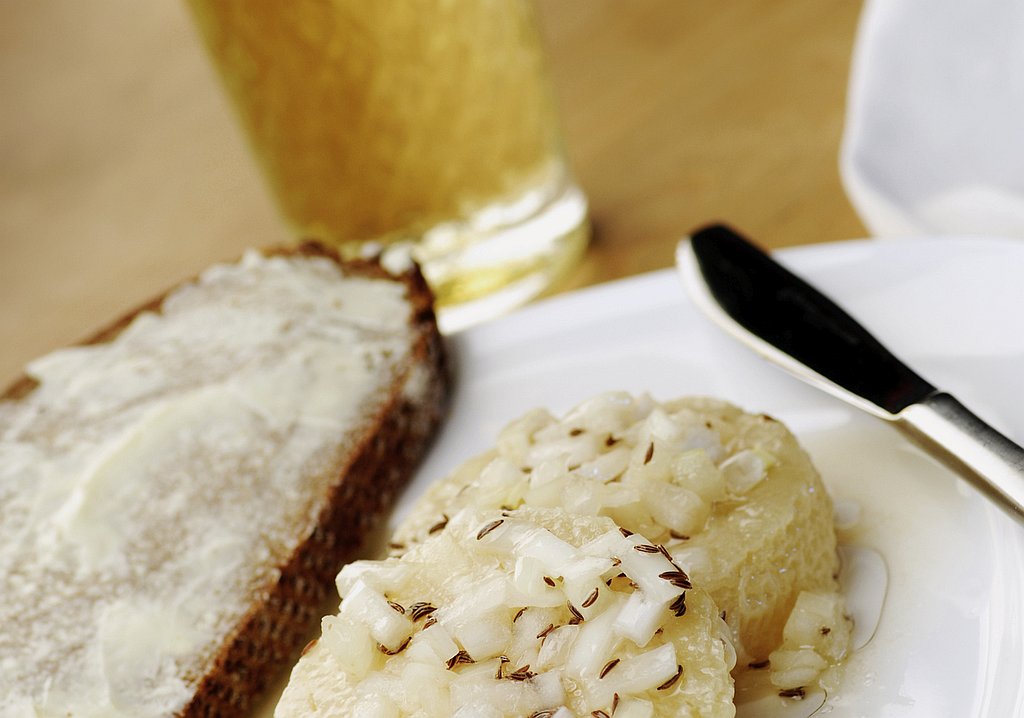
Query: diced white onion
[[812, 612], [376, 574], [432, 645], [547, 494], [816, 634], [477, 710], [426, 684], [594, 644], [744, 470], [490, 634], [548, 689], [528, 578], [645, 570], [675, 507], [514, 440], [350, 644], [555, 649], [572, 445], [634, 708], [615, 495], [607, 413], [525, 644], [639, 618], [583, 578], [704, 438], [492, 592], [607, 544], [644, 671], [368, 606], [484, 634], [694, 469], [606, 466], [500, 483], [515, 697], [796, 668], [553, 553], [659, 426]]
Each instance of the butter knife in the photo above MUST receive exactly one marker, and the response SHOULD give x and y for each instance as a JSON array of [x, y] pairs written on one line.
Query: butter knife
[[787, 321]]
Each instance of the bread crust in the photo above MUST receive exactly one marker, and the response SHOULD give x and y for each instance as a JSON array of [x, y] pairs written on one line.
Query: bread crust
[[282, 616]]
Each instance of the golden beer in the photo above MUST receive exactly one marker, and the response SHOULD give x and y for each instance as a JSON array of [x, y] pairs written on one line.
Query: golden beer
[[428, 122]]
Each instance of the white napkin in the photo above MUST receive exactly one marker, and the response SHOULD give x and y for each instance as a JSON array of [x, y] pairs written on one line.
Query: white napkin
[[934, 136]]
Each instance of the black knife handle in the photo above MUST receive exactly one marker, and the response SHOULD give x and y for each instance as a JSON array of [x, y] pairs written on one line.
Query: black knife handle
[[791, 315]]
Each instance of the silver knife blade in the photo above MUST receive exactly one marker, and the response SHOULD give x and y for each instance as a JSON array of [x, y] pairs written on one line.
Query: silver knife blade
[[789, 322]]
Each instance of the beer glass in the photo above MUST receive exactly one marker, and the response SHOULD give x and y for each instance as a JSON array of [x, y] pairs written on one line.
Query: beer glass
[[425, 127]]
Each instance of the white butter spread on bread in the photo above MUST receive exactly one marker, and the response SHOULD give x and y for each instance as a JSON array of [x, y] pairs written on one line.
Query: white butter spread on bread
[[155, 488]]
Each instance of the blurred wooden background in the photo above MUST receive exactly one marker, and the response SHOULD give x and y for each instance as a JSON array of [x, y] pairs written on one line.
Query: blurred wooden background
[[121, 171]]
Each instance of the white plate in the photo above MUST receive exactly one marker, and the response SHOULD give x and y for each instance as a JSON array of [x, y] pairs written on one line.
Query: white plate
[[951, 638], [950, 641]]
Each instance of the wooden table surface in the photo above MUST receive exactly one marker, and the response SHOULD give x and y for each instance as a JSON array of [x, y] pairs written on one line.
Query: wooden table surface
[[121, 171]]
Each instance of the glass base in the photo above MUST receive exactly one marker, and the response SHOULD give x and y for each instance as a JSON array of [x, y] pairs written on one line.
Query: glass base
[[501, 257]]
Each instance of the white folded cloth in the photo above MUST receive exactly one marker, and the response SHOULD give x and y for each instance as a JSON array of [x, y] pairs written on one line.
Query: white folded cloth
[[934, 135]]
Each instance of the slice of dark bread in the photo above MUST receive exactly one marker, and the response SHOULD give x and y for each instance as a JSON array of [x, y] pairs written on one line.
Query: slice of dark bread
[[178, 492]]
